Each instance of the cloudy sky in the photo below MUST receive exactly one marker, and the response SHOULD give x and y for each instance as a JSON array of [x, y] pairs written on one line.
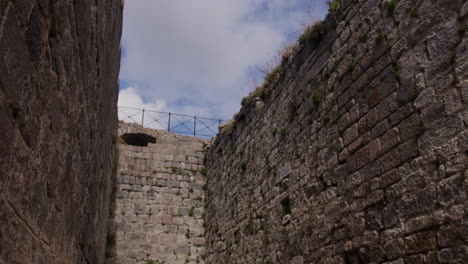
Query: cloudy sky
[[199, 57]]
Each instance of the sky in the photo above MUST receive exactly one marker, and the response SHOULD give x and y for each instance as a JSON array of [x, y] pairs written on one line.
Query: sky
[[200, 57]]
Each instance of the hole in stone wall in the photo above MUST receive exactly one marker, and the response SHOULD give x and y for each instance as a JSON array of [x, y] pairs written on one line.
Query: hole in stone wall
[[286, 206], [356, 257], [138, 139]]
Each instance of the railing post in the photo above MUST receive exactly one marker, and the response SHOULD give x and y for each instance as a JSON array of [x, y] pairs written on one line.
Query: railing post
[[169, 123], [194, 126], [142, 117]]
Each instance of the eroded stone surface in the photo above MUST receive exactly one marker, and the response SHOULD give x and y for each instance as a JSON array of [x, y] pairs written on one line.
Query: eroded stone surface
[[59, 65]]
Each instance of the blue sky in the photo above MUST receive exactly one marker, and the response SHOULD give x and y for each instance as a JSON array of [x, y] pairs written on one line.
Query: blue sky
[[200, 57]]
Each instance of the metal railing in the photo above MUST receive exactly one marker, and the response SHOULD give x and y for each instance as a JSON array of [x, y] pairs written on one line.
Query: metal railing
[[181, 124]]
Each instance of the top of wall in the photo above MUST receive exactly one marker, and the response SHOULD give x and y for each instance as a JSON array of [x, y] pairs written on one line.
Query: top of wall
[[321, 58], [298, 61], [160, 135]]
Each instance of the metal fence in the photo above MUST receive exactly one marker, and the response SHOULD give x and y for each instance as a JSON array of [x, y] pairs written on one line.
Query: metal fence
[[181, 124]]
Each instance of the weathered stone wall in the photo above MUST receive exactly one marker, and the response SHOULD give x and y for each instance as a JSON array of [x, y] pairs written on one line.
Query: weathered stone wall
[[359, 153], [159, 206], [59, 65]]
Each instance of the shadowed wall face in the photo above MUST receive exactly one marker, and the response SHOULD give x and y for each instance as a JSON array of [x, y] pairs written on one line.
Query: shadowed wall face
[[356, 153], [59, 65]]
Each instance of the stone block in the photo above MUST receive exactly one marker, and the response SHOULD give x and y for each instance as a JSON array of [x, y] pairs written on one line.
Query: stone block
[[198, 212], [183, 211], [408, 150], [400, 114], [354, 180], [374, 149], [418, 223], [389, 161], [184, 184], [389, 215], [387, 106], [166, 219], [379, 129], [161, 182], [390, 139], [452, 101], [173, 210], [133, 236], [355, 144], [350, 134], [451, 190], [183, 249], [420, 242], [410, 127], [175, 184], [192, 159], [394, 249], [372, 118], [343, 122], [362, 157], [386, 87]]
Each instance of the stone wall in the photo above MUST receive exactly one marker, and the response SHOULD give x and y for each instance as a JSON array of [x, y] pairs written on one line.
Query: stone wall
[[59, 65], [159, 208], [357, 152]]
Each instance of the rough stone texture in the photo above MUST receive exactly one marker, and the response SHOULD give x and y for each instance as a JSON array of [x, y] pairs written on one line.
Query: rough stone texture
[[348, 162], [160, 200], [59, 65]]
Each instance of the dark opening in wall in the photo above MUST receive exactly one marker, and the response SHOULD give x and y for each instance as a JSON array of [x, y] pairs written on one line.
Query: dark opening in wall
[[356, 257], [286, 206], [138, 139]]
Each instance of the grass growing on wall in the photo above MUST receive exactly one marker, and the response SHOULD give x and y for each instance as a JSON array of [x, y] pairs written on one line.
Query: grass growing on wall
[[312, 33]]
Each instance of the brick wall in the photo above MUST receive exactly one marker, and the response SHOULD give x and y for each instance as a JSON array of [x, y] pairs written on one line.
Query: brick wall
[[159, 206], [359, 152]]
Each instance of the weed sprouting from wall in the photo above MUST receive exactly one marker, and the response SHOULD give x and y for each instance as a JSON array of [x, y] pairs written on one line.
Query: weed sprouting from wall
[[283, 131], [396, 70], [379, 38], [335, 7], [351, 65], [204, 171], [391, 5], [316, 97], [312, 33], [243, 165], [462, 29]]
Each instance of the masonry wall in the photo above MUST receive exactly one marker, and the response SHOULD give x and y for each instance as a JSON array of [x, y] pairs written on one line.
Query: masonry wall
[[357, 152], [59, 65], [160, 199]]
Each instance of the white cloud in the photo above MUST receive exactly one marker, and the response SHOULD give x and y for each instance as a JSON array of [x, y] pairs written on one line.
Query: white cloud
[[193, 56], [132, 109], [130, 103], [130, 98]]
